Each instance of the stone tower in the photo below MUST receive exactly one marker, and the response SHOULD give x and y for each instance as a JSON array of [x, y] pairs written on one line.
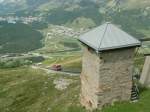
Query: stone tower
[[107, 65]]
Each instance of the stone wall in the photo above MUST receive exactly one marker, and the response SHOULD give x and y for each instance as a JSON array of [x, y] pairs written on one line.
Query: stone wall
[[89, 78], [106, 77]]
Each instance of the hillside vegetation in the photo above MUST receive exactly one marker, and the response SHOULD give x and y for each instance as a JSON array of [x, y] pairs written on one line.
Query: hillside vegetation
[[38, 5], [18, 38], [29, 90], [133, 15]]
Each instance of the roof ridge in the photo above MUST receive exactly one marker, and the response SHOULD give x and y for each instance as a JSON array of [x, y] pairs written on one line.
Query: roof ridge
[[103, 35]]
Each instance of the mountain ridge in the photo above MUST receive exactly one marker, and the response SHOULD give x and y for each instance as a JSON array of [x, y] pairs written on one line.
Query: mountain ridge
[[12, 6]]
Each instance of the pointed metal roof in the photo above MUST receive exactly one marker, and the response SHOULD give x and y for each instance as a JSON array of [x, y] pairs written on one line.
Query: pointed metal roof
[[107, 37]]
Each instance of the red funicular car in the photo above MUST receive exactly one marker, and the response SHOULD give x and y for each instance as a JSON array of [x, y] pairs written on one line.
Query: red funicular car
[[56, 67]]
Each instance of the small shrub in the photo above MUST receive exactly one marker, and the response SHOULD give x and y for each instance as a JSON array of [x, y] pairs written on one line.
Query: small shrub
[[13, 63]]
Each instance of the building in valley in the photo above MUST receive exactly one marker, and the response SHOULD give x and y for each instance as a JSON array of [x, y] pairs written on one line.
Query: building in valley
[[107, 66]]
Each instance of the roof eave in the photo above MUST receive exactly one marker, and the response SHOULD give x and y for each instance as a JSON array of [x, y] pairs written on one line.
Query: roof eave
[[138, 44], [88, 44], [119, 47]]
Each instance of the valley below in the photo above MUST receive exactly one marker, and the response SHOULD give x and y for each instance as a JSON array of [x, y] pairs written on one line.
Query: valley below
[[41, 56], [34, 87]]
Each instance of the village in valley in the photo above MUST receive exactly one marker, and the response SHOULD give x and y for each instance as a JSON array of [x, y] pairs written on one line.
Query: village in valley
[[15, 19]]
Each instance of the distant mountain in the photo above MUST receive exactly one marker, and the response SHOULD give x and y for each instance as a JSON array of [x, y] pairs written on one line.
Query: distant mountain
[[130, 14], [12, 6], [46, 7]]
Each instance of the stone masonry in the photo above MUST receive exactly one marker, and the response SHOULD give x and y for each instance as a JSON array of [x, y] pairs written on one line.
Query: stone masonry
[[106, 77]]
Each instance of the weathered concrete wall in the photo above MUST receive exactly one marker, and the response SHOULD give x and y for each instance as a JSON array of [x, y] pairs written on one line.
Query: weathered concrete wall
[[145, 77], [106, 77]]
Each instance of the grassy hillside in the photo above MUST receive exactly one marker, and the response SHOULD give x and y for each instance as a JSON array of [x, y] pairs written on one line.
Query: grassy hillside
[[30, 90], [58, 43], [18, 38]]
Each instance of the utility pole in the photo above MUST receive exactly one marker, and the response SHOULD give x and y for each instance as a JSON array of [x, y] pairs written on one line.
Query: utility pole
[[145, 77]]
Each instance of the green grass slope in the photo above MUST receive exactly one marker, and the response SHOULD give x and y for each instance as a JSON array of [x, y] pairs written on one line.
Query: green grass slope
[[141, 106], [30, 90]]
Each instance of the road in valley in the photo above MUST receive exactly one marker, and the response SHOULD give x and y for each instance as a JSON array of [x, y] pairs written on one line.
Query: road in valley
[[48, 70]]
